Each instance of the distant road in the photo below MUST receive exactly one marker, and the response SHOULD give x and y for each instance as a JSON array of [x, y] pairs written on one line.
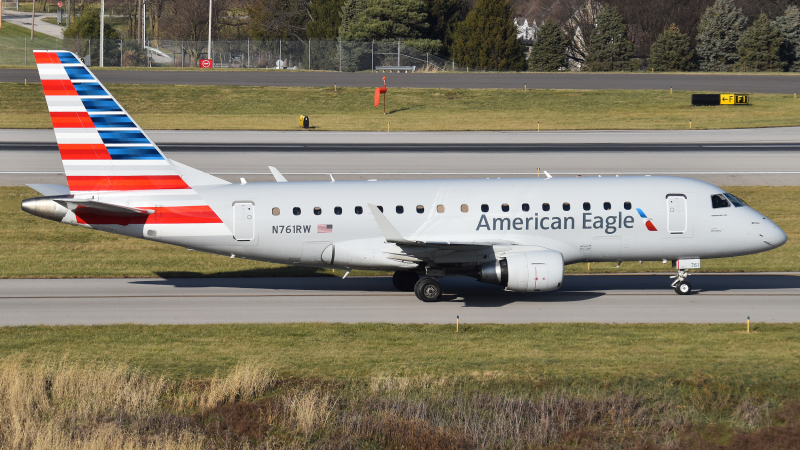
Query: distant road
[[768, 84], [586, 298]]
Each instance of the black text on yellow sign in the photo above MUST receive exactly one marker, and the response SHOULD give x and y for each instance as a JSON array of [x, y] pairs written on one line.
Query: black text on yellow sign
[[734, 99]]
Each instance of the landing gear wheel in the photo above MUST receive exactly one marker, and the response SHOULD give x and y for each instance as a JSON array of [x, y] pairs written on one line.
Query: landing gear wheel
[[404, 281], [683, 288], [428, 289]]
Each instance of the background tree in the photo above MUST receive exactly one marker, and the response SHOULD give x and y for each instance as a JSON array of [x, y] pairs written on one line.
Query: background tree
[[487, 38], [549, 51], [759, 47], [789, 26], [273, 19], [717, 35], [349, 13], [392, 20], [577, 18], [672, 51], [610, 48], [443, 17], [87, 26], [325, 19]]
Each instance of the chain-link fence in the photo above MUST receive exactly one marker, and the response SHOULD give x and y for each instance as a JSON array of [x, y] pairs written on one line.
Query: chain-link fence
[[345, 56]]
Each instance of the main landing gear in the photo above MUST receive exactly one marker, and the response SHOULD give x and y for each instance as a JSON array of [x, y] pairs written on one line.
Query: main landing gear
[[426, 289], [681, 286]]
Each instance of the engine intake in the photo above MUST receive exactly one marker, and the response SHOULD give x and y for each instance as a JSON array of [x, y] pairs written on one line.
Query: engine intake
[[536, 271]]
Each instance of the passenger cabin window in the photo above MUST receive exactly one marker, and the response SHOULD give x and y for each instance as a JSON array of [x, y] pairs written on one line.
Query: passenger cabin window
[[317, 210], [380, 208], [276, 211], [485, 208], [737, 202], [545, 206], [565, 206], [420, 209], [504, 207], [464, 208], [627, 206], [337, 210], [719, 201], [296, 211], [526, 207], [440, 209], [607, 206], [359, 210], [399, 209], [586, 206]]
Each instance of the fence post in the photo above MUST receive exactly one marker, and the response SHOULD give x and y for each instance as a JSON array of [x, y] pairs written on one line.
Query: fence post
[[340, 54], [182, 54], [280, 51], [248, 53], [372, 68], [398, 53], [26, 50], [120, 52], [309, 54]]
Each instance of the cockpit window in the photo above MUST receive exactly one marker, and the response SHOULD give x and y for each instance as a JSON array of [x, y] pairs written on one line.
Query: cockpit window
[[737, 202], [719, 201]]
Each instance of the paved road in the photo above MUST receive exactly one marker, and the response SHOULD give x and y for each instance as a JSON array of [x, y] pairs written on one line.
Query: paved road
[[609, 299], [758, 164], [777, 84], [23, 19], [737, 137]]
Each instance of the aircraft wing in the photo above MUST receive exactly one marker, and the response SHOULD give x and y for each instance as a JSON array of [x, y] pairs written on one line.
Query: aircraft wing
[[394, 237]]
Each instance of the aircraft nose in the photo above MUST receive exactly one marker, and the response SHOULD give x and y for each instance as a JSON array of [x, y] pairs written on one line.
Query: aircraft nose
[[775, 236]]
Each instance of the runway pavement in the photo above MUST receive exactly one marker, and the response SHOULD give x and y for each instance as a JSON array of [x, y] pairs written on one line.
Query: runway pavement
[[585, 298], [741, 164], [777, 84]]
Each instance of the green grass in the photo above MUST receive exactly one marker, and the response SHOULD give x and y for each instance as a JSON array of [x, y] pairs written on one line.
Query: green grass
[[277, 108], [31, 247], [13, 47]]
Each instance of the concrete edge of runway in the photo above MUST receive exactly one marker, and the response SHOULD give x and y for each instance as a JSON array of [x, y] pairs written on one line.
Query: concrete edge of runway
[[726, 137]]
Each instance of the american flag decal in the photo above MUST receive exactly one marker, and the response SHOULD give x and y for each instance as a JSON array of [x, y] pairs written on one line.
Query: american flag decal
[[325, 228]]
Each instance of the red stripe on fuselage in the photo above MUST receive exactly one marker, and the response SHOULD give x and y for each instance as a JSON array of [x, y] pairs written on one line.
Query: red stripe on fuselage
[[58, 87], [83, 151], [162, 215], [71, 120], [131, 183]]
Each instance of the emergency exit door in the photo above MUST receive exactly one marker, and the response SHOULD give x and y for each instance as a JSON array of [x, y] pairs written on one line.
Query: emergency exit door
[[244, 220], [676, 214]]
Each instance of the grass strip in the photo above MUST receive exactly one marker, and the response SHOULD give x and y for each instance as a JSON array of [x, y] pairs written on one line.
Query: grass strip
[[404, 386], [32, 247], [351, 109]]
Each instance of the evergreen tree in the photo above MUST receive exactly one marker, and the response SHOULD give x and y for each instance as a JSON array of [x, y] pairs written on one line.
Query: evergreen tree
[[759, 47], [388, 19], [348, 14], [487, 38], [325, 19], [549, 51], [672, 51], [717, 35], [789, 26], [87, 26], [443, 17], [610, 48]]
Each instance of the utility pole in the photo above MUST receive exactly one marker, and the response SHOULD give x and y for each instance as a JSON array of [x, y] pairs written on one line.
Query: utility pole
[[139, 25], [144, 23], [102, 23], [33, 17], [209, 31]]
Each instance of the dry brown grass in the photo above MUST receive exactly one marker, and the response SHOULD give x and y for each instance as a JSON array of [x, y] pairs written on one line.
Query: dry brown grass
[[64, 406]]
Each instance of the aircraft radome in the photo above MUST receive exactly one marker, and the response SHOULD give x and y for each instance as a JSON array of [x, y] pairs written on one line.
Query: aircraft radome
[[516, 233]]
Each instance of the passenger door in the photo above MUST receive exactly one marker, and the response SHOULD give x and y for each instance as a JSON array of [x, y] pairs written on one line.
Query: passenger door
[[676, 213], [244, 220]]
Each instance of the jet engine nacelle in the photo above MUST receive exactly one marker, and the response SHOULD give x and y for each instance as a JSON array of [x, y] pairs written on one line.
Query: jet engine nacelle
[[535, 271]]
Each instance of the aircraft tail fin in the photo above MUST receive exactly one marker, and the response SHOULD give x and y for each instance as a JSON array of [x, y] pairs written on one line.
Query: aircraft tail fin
[[102, 147]]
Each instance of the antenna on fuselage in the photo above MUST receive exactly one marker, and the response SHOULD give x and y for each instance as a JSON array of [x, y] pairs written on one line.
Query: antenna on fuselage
[[332, 180], [278, 176], [548, 175]]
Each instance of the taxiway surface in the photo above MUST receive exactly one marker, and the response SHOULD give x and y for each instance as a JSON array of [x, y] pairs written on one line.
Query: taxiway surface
[[777, 84], [584, 298], [725, 164]]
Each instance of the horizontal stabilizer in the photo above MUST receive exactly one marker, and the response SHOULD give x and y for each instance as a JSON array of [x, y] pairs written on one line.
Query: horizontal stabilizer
[[100, 208], [49, 190]]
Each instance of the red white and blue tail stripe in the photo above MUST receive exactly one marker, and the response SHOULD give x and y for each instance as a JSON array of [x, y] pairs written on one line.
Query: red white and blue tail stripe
[[107, 154]]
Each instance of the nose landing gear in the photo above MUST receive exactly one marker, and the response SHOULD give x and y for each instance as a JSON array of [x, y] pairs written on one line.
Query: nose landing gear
[[681, 286]]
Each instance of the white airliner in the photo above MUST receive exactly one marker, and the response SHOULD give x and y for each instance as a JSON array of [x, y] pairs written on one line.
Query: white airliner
[[516, 233]]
